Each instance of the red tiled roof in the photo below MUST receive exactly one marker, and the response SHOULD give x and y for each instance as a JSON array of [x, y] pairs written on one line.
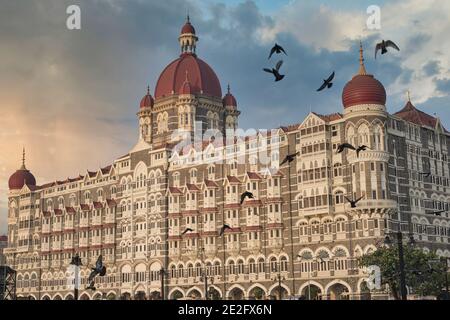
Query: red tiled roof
[[254, 176], [46, 213], [111, 203], [412, 114], [192, 187], [92, 174], [58, 212], [85, 207], [329, 117], [98, 205], [106, 170], [3, 238], [233, 179], [175, 190], [211, 184], [70, 210]]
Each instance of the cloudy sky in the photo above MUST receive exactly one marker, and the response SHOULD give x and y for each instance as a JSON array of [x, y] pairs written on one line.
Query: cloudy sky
[[71, 96]]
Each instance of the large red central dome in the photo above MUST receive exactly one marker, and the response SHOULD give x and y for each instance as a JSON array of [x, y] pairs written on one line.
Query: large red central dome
[[201, 76], [363, 88]]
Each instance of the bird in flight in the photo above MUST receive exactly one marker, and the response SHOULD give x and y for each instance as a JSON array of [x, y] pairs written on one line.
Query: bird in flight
[[383, 45], [344, 146], [277, 49], [327, 83], [246, 194], [276, 71], [224, 228], [425, 174], [99, 270], [353, 202], [361, 148], [186, 231], [438, 213], [289, 158]]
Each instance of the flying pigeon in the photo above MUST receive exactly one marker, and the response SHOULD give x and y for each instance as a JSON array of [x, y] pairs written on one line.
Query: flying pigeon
[[246, 194], [383, 45], [289, 158], [99, 270], [438, 213], [276, 71], [224, 228], [277, 49], [354, 202], [327, 83], [186, 231], [343, 146], [361, 148]]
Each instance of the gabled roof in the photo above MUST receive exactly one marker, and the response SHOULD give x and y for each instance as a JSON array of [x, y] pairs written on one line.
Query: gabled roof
[[98, 205], [84, 207], [111, 203], [253, 176], [233, 180], [174, 190], [330, 117], [70, 210], [210, 184], [192, 187], [411, 114]]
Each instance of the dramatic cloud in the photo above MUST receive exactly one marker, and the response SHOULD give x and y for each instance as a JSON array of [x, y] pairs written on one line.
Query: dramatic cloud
[[71, 97]]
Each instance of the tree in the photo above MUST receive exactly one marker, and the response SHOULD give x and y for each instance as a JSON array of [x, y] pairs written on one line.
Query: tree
[[424, 272]]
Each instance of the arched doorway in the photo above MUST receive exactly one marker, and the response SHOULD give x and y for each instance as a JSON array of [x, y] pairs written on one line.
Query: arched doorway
[[57, 297], [97, 296], [177, 294], [69, 297], [338, 292], [125, 296], [312, 292], [195, 294], [46, 298], [140, 295], [236, 294], [214, 294], [111, 296], [84, 297], [257, 293], [155, 295], [279, 293]]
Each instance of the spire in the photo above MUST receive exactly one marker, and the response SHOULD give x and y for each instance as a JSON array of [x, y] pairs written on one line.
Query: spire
[[362, 69], [148, 90], [228, 88], [408, 95], [23, 160]]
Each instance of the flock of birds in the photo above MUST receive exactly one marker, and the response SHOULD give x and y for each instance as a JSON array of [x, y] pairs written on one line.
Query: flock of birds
[[327, 83], [100, 269]]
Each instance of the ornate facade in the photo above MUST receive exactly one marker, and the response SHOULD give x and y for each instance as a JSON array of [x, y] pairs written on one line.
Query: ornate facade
[[298, 236]]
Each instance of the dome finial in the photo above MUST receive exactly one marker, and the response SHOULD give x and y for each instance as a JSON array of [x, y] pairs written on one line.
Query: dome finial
[[148, 90], [23, 158], [408, 93], [362, 68], [228, 88]]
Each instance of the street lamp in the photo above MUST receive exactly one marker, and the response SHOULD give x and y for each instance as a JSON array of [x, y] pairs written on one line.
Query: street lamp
[[401, 260], [76, 262], [162, 274], [278, 278]]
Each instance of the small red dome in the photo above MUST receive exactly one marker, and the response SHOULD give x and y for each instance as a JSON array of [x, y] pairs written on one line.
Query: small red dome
[[229, 100], [20, 178], [363, 89], [202, 78], [147, 101], [188, 28]]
